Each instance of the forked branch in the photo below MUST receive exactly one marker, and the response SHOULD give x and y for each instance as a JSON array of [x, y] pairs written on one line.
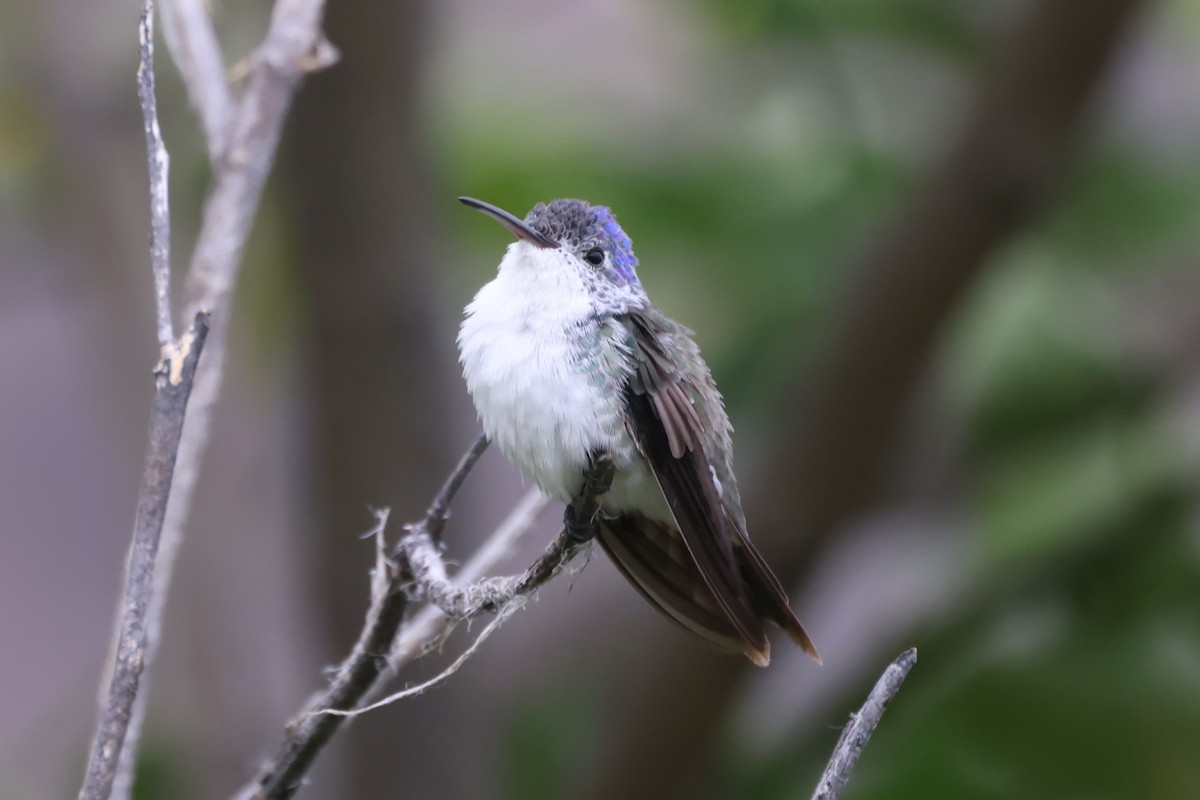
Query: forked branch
[[419, 571], [242, 137]]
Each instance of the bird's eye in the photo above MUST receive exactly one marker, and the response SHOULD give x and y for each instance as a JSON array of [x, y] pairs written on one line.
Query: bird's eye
[[595, 256]]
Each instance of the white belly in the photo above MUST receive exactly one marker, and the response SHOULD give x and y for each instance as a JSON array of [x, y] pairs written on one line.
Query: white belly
[[546, 397]]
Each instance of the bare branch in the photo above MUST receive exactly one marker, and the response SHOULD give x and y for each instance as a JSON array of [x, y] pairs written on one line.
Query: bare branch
[[439, 510], [363, 671], [511, 606], [194, 48], [293, 48], [431, 626], [242, 141], [173, 385], [855, 735], [422, 559], [159, 164]]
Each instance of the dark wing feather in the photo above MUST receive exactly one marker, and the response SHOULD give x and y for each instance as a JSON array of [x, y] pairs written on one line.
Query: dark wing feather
[[668, 431], [656, 378], [772, 597], [652, 556], [688, 486], [703, 572]]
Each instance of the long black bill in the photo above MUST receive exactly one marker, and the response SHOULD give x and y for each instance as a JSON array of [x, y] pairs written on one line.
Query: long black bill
[[517, 226]]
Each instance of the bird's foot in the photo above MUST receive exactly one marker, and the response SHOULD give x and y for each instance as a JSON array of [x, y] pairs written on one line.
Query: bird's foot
[[598, 477], [579, 518], [578, 532]]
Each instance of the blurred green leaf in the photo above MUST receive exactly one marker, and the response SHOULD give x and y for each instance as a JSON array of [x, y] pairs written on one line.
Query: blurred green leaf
[[1068, 682], [1124, 211], [1064, 490], [1036, 352], [160, 769], [548, 744], [935, 24]]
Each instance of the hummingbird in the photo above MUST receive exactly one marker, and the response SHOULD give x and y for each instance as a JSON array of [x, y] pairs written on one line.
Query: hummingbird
[[565, 357]]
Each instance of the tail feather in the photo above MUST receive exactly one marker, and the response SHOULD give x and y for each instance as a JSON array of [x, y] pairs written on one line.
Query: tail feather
[[652, 556], [772, 599]]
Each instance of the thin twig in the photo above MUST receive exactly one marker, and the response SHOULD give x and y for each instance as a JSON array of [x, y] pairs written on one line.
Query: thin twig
[[431, 626], [194, 48], [459, 602], [293, 47], [862, 724], [159, 163], [439, 510], [173, 384], [363, 672], [421, 558], [510, 607]]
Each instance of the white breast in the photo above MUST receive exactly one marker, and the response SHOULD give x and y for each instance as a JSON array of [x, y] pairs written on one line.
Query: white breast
[[528, 349], [521, 361]]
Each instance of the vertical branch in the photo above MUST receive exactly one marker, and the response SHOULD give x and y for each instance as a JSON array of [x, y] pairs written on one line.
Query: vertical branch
[[241, 140], [173, 379], [158, 163], [193, 45], [293, 47]]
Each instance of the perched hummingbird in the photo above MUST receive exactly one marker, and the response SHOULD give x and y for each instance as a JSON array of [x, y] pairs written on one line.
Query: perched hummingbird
[[565, 358]]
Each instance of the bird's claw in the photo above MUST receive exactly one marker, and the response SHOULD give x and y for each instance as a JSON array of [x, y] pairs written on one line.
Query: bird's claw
[[578, 532], [597, 479]]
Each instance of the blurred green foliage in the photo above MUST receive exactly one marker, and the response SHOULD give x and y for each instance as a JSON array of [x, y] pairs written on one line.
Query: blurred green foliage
[[1078, 677], [549, 744]]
